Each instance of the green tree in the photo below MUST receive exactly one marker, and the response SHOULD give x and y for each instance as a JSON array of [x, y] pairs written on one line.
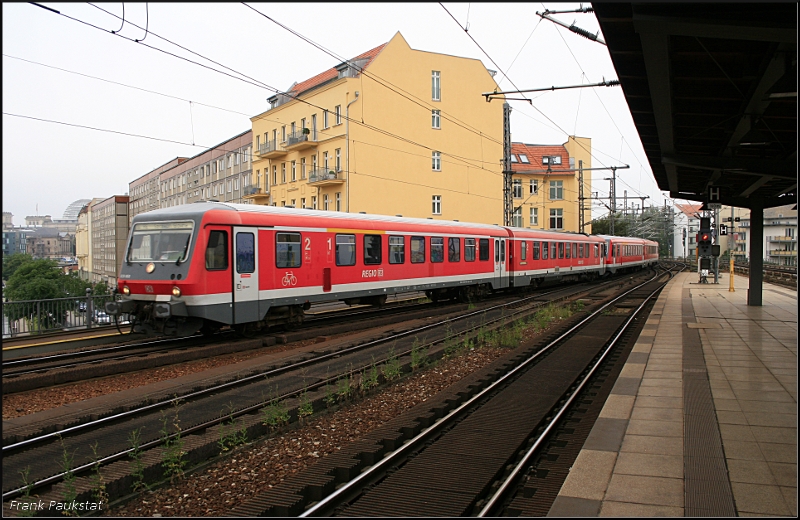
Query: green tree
[[12, 262], [35, 280], [602, 226]]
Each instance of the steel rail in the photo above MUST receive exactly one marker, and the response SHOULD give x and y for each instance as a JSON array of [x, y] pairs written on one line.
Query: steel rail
[[522, 464], [352, 486]]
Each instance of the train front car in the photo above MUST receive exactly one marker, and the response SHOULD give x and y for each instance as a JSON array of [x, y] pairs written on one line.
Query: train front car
[[159, 275]]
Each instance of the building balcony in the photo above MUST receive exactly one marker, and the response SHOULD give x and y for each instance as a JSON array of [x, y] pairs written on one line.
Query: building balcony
[[259, 196], [325, 178], [299, 141], [270, 150], [781, 252], [782, 239]]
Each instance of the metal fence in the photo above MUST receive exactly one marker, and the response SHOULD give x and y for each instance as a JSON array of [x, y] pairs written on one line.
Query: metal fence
[[27, 317]]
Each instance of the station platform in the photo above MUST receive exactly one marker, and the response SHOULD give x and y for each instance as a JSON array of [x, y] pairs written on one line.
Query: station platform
[[703, 418]]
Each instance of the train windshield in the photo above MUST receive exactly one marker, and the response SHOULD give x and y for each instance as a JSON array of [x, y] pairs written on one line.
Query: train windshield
[[160, 242]]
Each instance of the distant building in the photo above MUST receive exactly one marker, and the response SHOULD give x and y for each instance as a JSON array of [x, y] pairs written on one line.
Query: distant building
[[545, 185], [687, 225], [83, 242], [109, 233], [50, 243], [8, 220]]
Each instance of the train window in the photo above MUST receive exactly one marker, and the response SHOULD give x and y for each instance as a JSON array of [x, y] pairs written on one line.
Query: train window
[[553, 250], [483, 253], [417, 250], [453, 249], [345, 250], [545, 249], [568, 250], [523, 249], [287, 250], [469, 249], [574, 250], [595, 250], [397, 250], [217, 251], [437, 249], [536, 250], [245, 252], [160, 241], [372, 249], [561, 249], [502, 251], [586, 250]]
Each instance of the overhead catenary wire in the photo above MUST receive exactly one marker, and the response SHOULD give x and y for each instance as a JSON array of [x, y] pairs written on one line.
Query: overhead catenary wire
[[245, 78]]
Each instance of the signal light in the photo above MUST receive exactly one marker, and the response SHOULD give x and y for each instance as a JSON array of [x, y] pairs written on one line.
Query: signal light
[[705, 237]]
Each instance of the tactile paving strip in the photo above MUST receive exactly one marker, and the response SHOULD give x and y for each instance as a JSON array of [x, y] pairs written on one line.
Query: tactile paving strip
[[707, 488]]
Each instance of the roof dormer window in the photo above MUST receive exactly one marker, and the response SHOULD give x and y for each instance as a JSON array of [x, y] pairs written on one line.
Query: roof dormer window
[[524, 158], [514, 158]]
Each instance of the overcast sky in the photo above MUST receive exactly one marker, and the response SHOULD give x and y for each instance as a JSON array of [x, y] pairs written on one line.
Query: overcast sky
[[47, 166]]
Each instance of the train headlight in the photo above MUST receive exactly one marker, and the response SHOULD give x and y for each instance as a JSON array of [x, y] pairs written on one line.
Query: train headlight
[[150, 267], [126, 290], [176, 291]]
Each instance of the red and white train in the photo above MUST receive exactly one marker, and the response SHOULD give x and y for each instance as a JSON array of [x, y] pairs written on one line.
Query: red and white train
[[207, 265]]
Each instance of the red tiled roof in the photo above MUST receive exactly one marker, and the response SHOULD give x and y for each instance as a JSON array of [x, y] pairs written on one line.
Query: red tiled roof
[[331, 73], [535, 152], [690, 210]]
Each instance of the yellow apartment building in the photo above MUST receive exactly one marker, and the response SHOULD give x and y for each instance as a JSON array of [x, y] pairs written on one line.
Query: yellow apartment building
[[394, 131], [545, 185]]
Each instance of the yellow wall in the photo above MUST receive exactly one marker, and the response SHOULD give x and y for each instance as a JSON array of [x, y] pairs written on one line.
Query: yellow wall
[[578, 148], [387, 175]]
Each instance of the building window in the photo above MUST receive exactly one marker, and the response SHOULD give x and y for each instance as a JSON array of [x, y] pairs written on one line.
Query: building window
[[517, 188], [325, 202], [324, 119], [436, 93], [303, 203], [338, 111], [524, 159], [514, 158], [437, 204], [338, 201], [557, 218], [436, 119], [338, 159], [294, 171], [283, 134], [314, 202], [436, 159], [302, 167], [516, 218], [534, 216], [325, 161], [556, 190], [534, 187], [283, 172], [274, 175]]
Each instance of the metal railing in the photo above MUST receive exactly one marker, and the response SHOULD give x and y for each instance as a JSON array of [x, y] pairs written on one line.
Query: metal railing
[[269, 146], [297, 136], [30, 317], [321, 175]]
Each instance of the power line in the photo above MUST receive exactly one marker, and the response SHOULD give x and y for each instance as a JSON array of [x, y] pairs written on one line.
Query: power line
[[248, 80], [126, 85], [382, 82]]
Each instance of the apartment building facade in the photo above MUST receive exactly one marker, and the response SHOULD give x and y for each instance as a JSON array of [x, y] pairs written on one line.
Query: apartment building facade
[[221, 173], [109, 233], [393, 131], [546, 184]]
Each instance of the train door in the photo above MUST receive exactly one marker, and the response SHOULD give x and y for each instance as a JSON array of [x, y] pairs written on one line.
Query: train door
[[500, 268], [245, 275]]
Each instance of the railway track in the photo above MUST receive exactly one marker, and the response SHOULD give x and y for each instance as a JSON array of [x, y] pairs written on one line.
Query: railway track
[[452, 456], [202, 410], [40, 371]]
